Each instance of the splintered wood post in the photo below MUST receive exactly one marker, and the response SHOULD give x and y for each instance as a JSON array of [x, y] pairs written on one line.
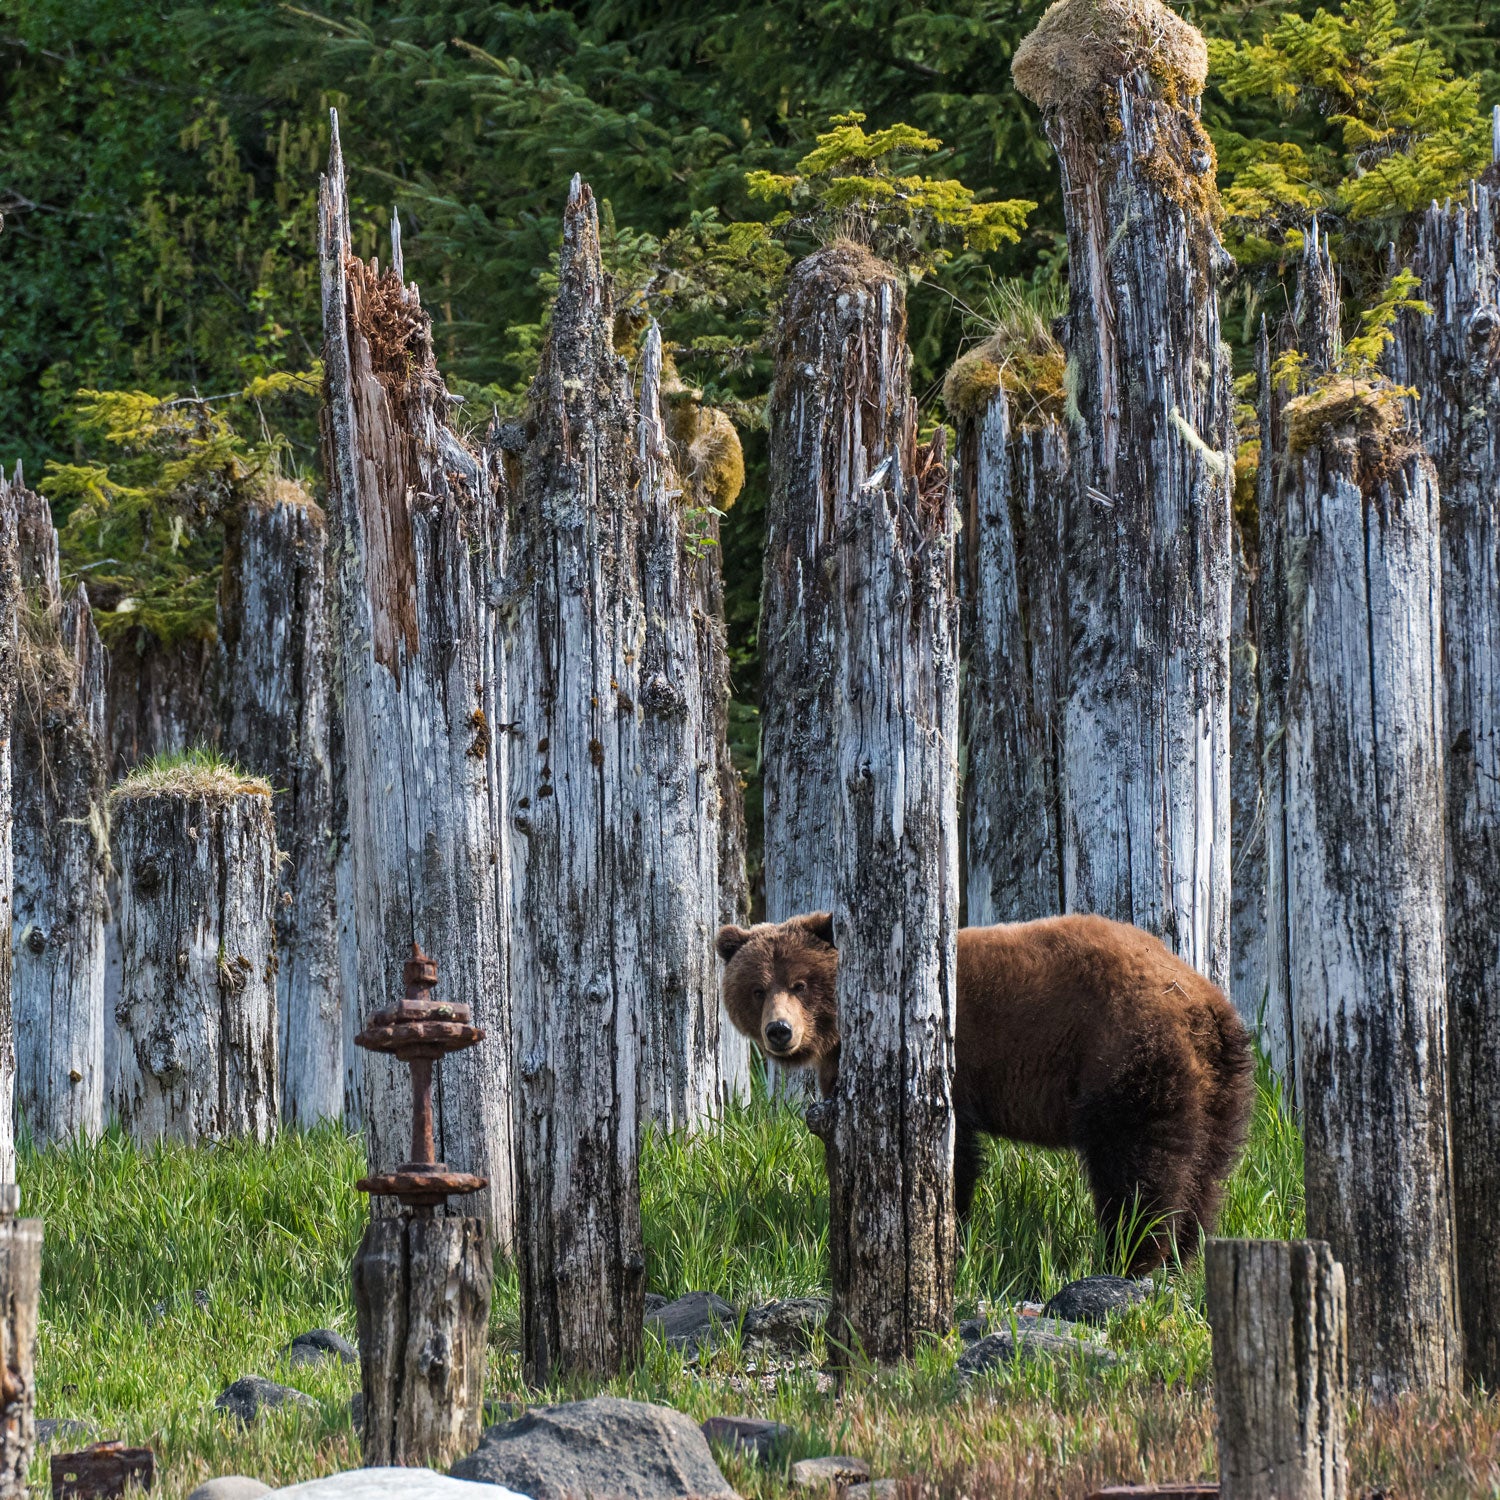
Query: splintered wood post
[[573, 622], [422, 1291], [196, 852], [1011, 478], [159, 697], [692, 1060], [273, 675], [1146, 777], [1364, 864], [413, 528], [61, 836], [1281, 1384], [10, 605], [895, 838], [20, 1291], [1453, 359]]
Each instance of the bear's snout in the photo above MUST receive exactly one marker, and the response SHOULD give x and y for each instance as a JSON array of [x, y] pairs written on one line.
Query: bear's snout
[[779, 1036]]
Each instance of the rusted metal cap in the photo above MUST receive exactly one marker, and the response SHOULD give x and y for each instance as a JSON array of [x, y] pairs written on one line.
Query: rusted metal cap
[[420, 1186], [419, 972]]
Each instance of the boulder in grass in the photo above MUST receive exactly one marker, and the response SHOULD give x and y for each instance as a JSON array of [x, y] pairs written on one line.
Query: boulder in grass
[[395, 1484], [1033, 1338], [756, 1438], [1092, 1299], [318, 1346], [62, 1430], [249, 1396], [790, 1323], [230, 1487], [628, 1450], [694, 1322], [876, 1489]]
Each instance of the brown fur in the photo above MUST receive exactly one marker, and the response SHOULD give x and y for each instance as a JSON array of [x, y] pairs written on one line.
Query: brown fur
[[1071, 1031]]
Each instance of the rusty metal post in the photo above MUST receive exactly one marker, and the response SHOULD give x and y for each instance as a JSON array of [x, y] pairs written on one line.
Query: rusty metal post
[[422, 1280]]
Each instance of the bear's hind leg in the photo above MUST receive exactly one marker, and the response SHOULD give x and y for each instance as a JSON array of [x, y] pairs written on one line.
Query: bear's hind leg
[[1143, 1181], [968, 1160]]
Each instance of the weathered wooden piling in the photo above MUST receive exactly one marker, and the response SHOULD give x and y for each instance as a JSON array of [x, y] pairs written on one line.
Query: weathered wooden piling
[[274, 652], [691, 1059], [20, 1293], [195, 847], [413, 530], [1364, 877], [572, 624], [1452, 358], [61, 848], [10, 604], [1146, 724], [892, 667], [1281, 1383]]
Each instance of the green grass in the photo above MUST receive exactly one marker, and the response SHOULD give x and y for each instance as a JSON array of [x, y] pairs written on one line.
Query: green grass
[[264, 1238]]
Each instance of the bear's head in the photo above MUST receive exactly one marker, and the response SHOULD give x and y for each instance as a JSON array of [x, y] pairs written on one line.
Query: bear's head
[[779, 989]]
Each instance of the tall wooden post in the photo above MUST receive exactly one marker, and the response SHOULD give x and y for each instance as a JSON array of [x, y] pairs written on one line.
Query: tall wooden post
[[893, 668], [1247, 812], [1280, 1369], [692, 1060], [572, 625], [1146, 778], [61, 850], [20, 1292], [197, 858], [1453, 360], [1364, 864], [273, 678], [1011, 477], [10, 604], [413, 532]]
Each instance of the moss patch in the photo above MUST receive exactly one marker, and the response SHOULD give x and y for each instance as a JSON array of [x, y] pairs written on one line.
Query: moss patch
[[1022, 357], [716, 460], [971, 384], [197, 774], [1366, 418], [1081, 46]]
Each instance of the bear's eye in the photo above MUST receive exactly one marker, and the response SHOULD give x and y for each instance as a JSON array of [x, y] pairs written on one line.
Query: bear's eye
[[760, 994], [799, 987]]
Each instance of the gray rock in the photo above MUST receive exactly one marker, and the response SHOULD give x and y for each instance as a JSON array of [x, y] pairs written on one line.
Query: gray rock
[[836, 1470], [320, 1345], [791, 1323], [249, 1396], [394, 1484], [628, 1450], [1033, 1336], [694, 1322], [62, 1430], [1092, 1298], [758, 1439], [878, 1489], [230, 1487], [655, 1302], [971, 1330]]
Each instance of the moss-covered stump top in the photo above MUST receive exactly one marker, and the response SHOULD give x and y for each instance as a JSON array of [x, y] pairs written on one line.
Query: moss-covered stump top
[[1081, 46], [198, 778]]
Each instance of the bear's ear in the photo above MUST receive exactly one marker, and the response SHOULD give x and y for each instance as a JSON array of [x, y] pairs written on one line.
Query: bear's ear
[[819, 924], [730, 940]]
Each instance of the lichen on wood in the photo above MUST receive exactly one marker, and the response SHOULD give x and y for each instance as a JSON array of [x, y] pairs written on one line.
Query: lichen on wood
[[61, 846]]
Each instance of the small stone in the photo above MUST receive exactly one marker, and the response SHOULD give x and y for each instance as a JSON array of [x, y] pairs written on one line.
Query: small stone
[[876, 1489], [250, 1395], [320, 1345], [1092, 1298], [230, 1487], [758, 1439], [394, 1484], [655, 1302], [200, 1296], [971, 1330], [693, 1322], [156, 1314], [837, 1469], [62, 1430], [1036, 1336]]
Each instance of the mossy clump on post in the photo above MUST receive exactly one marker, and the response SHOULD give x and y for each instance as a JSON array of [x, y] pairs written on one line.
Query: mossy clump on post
[[1080, 47], [1021, 355], [199, 774]]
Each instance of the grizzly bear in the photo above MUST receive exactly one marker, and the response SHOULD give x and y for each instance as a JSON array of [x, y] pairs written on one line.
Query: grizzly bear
[[1070, 1031]]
